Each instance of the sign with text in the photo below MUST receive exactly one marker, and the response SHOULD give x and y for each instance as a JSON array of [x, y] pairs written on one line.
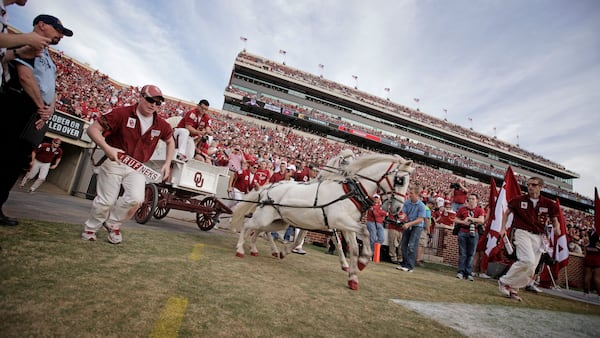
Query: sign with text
[[66, 125]]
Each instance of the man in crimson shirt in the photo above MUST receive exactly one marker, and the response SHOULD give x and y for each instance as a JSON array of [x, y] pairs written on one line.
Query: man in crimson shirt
[[459, 195], [194, 124], [135, 131], [262, 175], [532, 213], [468, 219], [45, 157]]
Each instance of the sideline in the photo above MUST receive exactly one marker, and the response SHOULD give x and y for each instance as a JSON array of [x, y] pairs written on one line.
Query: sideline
[[476, 320]]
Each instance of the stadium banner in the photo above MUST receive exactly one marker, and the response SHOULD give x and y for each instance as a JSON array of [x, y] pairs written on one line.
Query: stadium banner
[[332, 125], [390, 143], [66, 125], [415, 150], [272, 107], [249, 101], [323, 123]]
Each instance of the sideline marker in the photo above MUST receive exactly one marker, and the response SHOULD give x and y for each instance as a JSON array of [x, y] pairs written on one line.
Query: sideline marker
[[170, 319], [376, 250]]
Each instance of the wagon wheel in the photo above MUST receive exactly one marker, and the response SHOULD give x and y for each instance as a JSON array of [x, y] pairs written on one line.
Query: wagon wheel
[[145, 211], [161, 212], [207, 219]]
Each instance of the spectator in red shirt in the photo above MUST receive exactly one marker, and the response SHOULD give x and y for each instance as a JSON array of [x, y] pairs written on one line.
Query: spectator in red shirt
[[194, 124], [45, 157], [468, 218], [375, 216], [459, 195]]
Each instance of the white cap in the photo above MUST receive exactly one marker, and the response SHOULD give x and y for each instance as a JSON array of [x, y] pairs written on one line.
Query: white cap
[[291, 167], [376, 196]]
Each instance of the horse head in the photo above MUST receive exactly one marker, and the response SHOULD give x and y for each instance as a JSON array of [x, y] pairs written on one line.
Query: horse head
[[380, 173]]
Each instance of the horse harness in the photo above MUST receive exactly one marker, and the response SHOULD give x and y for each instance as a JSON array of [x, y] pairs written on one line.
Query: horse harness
[[353, 190]]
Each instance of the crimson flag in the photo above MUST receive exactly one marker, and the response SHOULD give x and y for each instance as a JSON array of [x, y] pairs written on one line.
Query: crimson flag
[[560, 251], [510, 189], [481, 243], [596, 211]]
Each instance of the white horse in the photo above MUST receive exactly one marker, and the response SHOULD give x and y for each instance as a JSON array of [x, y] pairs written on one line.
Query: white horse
[[334, 203]]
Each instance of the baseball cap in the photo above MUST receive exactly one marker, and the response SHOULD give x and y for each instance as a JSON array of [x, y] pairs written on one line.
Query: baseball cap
[[152, 91], [54, 22], [376, 196], [291, 167]]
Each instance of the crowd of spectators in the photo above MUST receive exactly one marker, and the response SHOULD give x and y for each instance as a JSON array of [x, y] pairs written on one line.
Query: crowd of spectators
[[386, 104], [86, 93]]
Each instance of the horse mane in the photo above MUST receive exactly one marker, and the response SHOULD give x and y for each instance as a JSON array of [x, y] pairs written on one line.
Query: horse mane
[[369, 159]]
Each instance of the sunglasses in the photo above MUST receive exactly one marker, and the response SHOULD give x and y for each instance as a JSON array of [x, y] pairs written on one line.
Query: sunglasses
[[152, 100]]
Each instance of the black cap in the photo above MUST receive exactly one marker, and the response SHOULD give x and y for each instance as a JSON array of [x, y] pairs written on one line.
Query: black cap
[[54, 22]]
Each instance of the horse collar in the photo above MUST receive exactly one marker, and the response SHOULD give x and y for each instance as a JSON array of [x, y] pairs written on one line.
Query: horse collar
[[357, 194]]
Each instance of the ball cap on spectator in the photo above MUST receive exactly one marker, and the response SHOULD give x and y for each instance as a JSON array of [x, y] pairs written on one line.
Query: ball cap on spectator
[[291, 167], [56, 139], [152, 91], [376, 196], [54, 22]]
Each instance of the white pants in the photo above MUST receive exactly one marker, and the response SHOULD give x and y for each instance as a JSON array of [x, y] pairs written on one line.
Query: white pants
[[185, 143], [296, 233], [108, 206], [38, 168], [528, 246], [41, 170]]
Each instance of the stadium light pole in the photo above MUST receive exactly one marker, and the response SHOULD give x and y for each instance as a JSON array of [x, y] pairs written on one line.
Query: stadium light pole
[[387, 90], [471, 122], [518, 141], [321, 66], [355, 77], [445, 114], [245, 40], [283, 52]]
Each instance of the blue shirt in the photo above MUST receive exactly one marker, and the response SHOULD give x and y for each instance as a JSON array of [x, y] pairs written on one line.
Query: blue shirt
[[414, 211]]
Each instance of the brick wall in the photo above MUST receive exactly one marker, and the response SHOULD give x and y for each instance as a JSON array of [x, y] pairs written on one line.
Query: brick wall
[[316, 238]]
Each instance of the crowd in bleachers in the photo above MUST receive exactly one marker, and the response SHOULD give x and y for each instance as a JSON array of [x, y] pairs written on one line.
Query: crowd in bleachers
[[86, 93], [388, 105]]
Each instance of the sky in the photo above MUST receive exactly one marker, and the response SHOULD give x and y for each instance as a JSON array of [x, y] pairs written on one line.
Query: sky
[[530, 69]]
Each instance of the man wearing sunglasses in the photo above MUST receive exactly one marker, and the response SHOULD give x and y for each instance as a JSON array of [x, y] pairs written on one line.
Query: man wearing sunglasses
[[135, 131], [532, 214]]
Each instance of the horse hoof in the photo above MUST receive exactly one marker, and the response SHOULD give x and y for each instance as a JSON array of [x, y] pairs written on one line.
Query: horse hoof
[[361, 266], [281, 255], [275, 254], [254, 254], [352, 284], [345, 268], [239, 254]]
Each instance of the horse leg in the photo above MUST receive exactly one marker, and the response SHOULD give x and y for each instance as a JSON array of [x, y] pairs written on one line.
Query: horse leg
[[274, 248], [366, 252], [253, 237], [342, 256], [240, 244], [353, 251]]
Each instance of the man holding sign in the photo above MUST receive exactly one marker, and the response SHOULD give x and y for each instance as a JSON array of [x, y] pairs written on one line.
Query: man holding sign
[[128, 136]]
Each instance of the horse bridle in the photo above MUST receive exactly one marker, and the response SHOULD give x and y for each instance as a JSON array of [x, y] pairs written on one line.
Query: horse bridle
[[398, 180]]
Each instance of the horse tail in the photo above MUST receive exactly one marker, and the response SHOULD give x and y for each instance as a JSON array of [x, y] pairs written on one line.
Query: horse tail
[[247, 206]]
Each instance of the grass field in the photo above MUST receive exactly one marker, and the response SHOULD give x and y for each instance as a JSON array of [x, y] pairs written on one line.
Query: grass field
[[160, 283]]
